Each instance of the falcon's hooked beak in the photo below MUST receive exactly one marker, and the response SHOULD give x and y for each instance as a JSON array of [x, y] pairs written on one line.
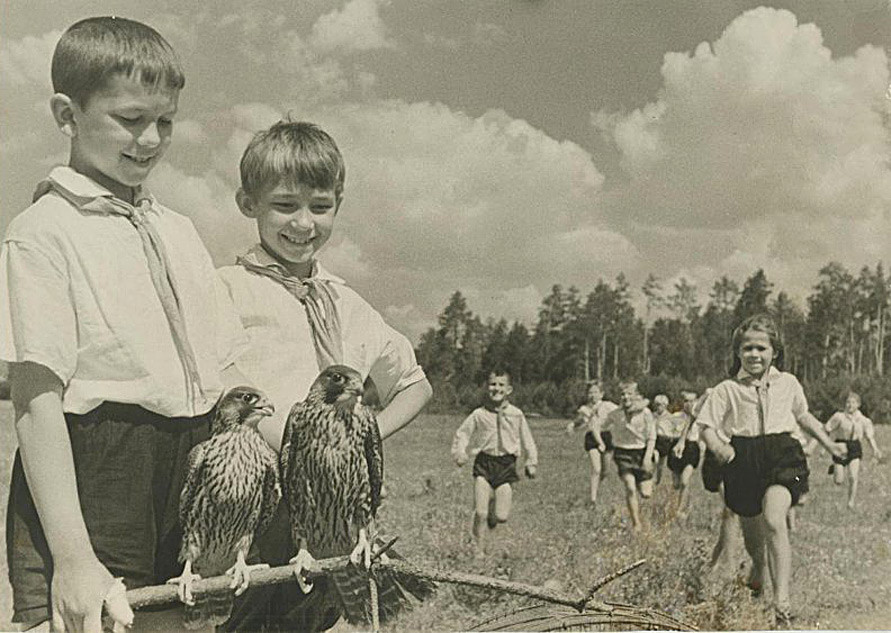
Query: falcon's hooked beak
[[263, 408]]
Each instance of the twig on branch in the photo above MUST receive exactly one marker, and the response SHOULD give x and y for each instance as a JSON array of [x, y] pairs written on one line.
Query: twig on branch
[[597, 586]]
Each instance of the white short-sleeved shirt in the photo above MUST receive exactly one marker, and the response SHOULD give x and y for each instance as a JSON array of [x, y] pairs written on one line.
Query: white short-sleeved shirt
[[281, 356], [595, 415], [631, 430], [670, 424], [734, 408], [76, 296], [482, 429], [845, 426]]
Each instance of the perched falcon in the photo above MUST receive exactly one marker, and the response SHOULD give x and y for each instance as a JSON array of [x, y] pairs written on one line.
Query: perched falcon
[[332, 471], [231, 492]]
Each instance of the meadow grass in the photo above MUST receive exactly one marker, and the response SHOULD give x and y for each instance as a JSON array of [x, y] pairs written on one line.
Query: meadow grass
[[841, 567]]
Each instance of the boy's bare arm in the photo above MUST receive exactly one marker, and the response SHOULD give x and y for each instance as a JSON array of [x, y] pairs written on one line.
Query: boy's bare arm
[[403, 408], [722, 450], [80, 582]]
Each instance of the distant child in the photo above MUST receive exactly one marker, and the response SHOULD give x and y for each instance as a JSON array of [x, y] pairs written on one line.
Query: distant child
[[497, 433], [598, 443], [765, 470], [300, 318], [117, 330], [634, 437], [850, 427], [685, 453], [668, 430]]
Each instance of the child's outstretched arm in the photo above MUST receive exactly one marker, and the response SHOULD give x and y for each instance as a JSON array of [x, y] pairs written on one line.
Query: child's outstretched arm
[[80, 583], [403, 408], [529, 446], [649, 451], [813, 427], [462, 439]]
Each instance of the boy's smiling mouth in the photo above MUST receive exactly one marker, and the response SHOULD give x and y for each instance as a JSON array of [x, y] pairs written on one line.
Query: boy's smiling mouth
[[299, 241]]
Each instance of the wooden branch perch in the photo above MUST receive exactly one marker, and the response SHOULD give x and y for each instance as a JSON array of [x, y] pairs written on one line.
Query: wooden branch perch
[[165, 594]]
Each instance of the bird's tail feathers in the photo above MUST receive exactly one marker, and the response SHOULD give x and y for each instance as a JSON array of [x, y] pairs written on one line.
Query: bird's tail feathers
[[397, 592]]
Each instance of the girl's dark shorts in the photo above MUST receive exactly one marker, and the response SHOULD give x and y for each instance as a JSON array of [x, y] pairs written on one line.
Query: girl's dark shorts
[[855, 451], [664, 445], [712, 472], [591, 443], [630, 461], [690, 457], [761, 462], [496, 469], [130, 465]]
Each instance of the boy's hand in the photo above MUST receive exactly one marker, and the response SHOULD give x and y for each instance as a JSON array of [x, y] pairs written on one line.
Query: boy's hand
[[725, 453], [80, 588], [838, 449], [678, 448], [570, 428], [601, 447], [460, 460], [530, 472]]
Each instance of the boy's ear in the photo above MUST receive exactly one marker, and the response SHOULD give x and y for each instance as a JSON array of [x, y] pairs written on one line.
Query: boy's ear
[[63, 112], [245, 203]]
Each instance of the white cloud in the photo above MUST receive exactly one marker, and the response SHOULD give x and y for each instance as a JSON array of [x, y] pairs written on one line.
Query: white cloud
[[763, 151], [356, 27], [26, 62]]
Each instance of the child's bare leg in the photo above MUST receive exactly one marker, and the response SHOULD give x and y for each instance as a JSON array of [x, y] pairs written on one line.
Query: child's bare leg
[[683, 486], [631, 499], [482, 492], [596, 472], [660, 463], [838, 474], [753, 531], [853, 480], [777, 501], [503, 501], [722, 555], [604, 464]]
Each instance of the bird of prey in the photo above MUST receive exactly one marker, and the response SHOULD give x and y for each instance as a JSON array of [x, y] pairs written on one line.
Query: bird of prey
[[332, 472], [231, 491]]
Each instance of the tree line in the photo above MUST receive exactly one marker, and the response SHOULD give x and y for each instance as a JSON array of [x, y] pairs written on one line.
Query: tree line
[[838, 341]]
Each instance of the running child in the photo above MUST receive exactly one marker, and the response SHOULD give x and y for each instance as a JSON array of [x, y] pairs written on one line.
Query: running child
[[668, 429], [850, 427], [497, 433], [598, 442], [685, 453], [765, 470], [634, 437]]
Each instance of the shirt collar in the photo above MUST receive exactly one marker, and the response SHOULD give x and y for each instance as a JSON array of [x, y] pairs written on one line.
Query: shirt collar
[[84, 189], [259, 255], [743, 376]]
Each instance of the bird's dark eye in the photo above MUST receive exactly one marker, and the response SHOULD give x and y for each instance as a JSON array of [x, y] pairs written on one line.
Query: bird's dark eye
[[249, 398], [338, 378]]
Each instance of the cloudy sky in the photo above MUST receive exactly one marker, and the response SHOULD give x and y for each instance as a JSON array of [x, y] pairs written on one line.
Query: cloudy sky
[[500, 147]]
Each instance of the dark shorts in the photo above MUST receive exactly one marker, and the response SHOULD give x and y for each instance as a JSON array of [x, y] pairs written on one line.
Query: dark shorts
[[855, 451], [761, 462], [690, 457], [130, 465], [712, 472], [630, 461], [664, 445], [496, 469], [591, 443]]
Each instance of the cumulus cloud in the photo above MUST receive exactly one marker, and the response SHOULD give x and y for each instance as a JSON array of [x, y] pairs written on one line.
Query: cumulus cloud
[[357, 27], [762, 150], [26, 62]]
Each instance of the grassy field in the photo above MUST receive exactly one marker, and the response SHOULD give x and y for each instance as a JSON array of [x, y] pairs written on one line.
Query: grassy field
[[842, 561]]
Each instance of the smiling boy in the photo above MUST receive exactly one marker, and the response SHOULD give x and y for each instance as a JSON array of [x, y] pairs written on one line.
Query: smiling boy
[[117, 331], [300, 318], [497, 433]]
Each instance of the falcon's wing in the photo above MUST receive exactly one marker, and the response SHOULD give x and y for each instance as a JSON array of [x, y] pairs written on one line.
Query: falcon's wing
[[272, 494], [374, 455], [287, 435], [192, 484]]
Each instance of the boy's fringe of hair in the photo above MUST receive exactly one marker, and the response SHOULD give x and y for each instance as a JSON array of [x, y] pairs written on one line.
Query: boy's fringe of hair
[[296, 152], [91, 51], [759, 323]]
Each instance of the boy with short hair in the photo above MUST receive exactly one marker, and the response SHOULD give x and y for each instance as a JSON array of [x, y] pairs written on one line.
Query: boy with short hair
[[634, 437], [497, 433], [598, 443], [117, 331], [300, 319], [668, 429], [685, 453]]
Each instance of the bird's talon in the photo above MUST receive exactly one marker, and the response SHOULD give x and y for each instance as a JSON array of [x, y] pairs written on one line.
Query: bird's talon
[[304, 562]]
